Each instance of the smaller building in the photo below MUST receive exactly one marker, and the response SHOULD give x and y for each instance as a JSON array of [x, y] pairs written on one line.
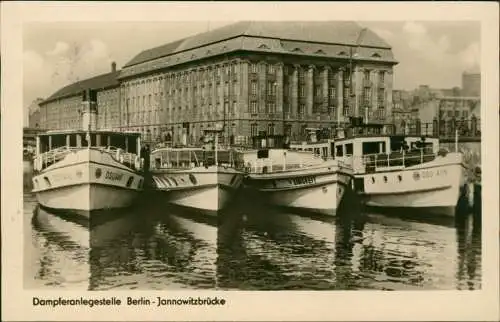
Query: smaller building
[[34, 113], [446, 113], [471, 83]]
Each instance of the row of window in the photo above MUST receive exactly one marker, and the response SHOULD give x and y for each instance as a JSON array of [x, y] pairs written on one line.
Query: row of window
[[457, 113], [381, 76], [367, 97]]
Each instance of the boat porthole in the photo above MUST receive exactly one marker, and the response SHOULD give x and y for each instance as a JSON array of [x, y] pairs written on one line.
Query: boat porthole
[[400, 178], [140, 184], [274, 184], [174, 181], [129, 181], [385, 179], [373, 179], [192, 178], [325, 189], [79, 173], [98, 173], [47, 181], [416, 176], [232, 180]]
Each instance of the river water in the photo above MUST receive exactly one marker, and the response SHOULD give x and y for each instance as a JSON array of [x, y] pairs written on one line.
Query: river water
[[150, 247]]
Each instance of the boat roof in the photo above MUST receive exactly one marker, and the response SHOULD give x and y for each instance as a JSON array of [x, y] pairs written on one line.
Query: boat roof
[[71, 131]]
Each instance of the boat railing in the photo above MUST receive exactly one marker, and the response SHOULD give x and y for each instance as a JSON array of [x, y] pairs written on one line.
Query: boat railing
[[381, 162], [45, 159], [48, 158], [127, 158], [274, 165], [183, 159], [167, 158]]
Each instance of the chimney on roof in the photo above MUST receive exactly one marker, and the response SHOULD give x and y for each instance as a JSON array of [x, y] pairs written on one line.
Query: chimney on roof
[[113, 67]]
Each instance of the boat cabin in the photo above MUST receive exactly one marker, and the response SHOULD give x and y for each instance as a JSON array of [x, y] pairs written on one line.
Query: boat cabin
[[208, 155], [273, 153], [52, 146], [370, 152], [129, 142]]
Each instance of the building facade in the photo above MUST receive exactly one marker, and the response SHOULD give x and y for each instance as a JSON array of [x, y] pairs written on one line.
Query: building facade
[[258, 77], [62, 110], [251, 77]]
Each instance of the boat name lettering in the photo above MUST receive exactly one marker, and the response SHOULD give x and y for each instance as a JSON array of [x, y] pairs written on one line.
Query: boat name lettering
[[304, 180], [113, 176], [430, 173]]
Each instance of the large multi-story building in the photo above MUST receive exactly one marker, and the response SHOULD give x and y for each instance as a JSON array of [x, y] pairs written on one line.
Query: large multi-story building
[[259, 77], [62, 110], [253, 77]]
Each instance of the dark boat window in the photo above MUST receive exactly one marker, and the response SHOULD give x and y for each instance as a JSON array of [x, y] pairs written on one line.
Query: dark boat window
[[348, 149], [373, 147], [396, 142], [93, 140], [103, 140], [339, 150], [72, 140], [58, 141], [85, 143]]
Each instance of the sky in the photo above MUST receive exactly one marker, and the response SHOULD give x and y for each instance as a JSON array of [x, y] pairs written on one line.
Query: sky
[[56, 54]]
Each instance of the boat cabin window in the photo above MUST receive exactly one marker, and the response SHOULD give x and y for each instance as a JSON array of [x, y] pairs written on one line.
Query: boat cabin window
[[339, 151], [373, 147], [348, 149], [50, 142]]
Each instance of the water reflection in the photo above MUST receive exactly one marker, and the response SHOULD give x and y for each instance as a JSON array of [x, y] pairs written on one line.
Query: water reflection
[[57, 252], [283, 251], [151, 247]]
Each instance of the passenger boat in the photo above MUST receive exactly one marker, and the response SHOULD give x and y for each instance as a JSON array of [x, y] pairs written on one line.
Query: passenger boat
[[202, 179], [83, 171], [297, 180], [402, 172]]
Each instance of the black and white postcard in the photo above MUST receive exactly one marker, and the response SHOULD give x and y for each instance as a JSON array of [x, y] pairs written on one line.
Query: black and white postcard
[[249, 161]]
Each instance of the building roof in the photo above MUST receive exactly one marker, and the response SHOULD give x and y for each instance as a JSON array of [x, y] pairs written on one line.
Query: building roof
[[310, 38], [98, 82]]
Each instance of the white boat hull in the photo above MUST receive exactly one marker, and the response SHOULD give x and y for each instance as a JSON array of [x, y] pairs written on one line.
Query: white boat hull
[[87, 181], [318, 190], [431, 187], [205, 189]]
